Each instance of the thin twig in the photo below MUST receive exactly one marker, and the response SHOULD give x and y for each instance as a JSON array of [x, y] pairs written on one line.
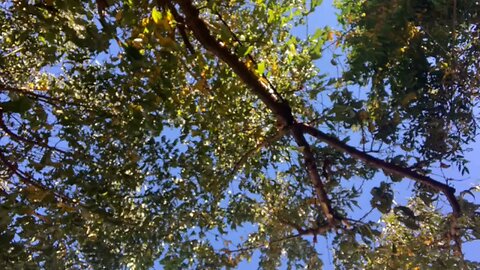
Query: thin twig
[[17, 137]]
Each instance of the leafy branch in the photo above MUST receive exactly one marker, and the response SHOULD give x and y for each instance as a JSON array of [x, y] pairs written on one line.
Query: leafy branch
[[18, 138], [283, 112], [269, 97]]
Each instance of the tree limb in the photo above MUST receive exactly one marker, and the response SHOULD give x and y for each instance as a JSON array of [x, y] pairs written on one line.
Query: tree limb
[[280, 107], [386, 166], [17, 137]]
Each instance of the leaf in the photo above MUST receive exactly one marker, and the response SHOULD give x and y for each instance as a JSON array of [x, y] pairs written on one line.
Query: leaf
[[19, 105], [407, 217], [382, 198], [156, 16], [261, 68], [245, 51], [444, 166], [133, 53], [315, 3]]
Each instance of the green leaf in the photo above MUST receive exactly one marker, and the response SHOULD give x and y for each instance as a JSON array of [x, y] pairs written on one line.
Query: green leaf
[[315, 3], [19, 105], [261, 68], [407, 217], [245, 51], [382, 198]]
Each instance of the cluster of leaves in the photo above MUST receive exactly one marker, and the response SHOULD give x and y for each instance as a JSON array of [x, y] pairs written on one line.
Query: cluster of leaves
[[129, 137], [400, 244], [420, 61]]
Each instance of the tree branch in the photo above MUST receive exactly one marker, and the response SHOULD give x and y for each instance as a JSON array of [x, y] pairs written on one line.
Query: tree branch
[[43, 98], [13, 168], [17, 137], [280, 107], [288, 237], [386, 166], [310, 163], [73, 203], [201, 32]]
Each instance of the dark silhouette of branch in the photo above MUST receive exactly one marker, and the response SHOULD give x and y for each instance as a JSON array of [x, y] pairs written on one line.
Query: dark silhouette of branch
[[30, 94], [17, 137], [181, 27], [283, 112], [24, 178], [386, 166], [321, 230], [288, 237], [56, 102], [267, 95]]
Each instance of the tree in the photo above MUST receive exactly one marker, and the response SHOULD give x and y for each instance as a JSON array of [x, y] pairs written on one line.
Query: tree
[[135, 131]]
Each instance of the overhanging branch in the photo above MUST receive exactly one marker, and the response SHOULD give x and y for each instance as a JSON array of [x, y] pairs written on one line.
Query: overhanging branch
[[280, 108], [386, 166], [18, 138]]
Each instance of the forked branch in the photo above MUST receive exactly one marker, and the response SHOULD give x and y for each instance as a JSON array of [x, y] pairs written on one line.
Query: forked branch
[[386, 166], [280, 108]]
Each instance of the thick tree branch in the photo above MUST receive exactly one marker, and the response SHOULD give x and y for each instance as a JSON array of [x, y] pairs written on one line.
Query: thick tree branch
[[269, 97], [319, 230], [201, 32], [283, 112], [312, 169], [386, 166]]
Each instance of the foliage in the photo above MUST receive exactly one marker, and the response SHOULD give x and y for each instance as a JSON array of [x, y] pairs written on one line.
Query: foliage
[[197, 133]]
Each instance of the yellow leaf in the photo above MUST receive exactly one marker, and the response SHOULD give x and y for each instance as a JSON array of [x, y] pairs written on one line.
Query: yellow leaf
[[249, 64], [156, 16], [330, 36], [371, 127], [145, 21], [137, 43], [264, 81]]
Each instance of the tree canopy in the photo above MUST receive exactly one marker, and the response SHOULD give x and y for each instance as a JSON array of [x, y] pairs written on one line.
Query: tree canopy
[[201, 134]]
